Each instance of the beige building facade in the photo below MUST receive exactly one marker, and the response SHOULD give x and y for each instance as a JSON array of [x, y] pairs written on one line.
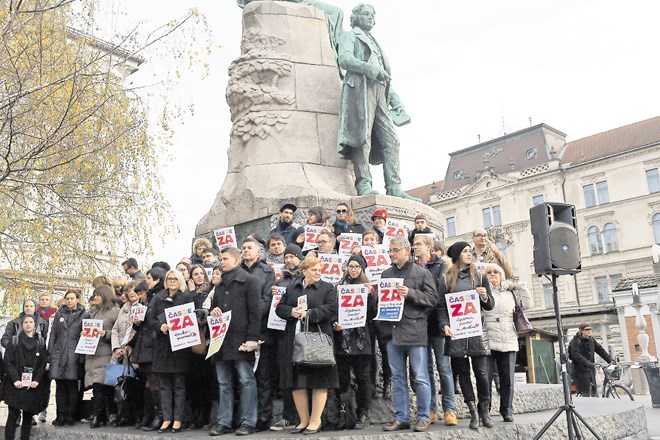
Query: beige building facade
[[612, 180]]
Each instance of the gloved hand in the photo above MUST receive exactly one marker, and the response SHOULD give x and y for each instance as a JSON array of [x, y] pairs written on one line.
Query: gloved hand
[[201, 315]]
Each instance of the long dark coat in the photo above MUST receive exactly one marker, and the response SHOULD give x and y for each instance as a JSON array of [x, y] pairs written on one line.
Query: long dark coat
[[164, 359], [321, 310], [265, 277], [143, 341], [64, 336], [27, 353], [357, 341], [14, 328], [475, 345], [239, 292], [355, 50], [581, 350]]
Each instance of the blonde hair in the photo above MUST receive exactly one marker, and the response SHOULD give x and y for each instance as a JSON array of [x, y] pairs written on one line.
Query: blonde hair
[[179, 277], [309, 261]]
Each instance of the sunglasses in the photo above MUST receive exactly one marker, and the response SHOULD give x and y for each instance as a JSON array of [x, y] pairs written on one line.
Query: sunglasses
[[342, 211], [492, 272]]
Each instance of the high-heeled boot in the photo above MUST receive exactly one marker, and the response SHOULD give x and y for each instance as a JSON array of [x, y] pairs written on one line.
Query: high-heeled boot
[[474, 418], [484, 414]]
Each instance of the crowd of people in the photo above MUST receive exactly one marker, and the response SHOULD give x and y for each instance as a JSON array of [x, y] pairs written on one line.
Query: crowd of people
[[180, 389]]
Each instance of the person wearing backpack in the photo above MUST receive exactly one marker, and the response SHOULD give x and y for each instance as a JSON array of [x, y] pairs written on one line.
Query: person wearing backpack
[[25, 387]]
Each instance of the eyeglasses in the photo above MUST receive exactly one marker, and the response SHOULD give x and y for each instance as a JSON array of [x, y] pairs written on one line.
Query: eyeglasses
[[492, 272], [342, 211], [172, 279], [352, 267], [395, 251], [480, 235], [418, 244], [322, 242]]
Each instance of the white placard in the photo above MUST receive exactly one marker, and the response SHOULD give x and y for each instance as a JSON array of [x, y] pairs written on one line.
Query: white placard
[[390, 303], [138, 311], [225, 237], [277, 268], [218, 327], [347, 242], [352, 305], [331, 268], [395, 228], [183, 327], [311, 236], [26, 379], [378, 259], [89, 339], [464, 314], [274, 321]]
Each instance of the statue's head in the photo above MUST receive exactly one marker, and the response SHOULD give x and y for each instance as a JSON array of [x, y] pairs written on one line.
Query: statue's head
[[363, 16]]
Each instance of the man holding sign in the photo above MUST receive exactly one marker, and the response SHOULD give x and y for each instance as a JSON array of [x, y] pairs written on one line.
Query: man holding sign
[[408, 337], [240, 293]]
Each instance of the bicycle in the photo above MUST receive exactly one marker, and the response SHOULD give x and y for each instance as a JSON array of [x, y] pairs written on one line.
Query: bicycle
[[611, 387]]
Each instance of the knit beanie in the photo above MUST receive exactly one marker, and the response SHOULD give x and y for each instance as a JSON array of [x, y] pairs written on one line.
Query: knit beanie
[[294, 249], [359, 259], [454, 251]]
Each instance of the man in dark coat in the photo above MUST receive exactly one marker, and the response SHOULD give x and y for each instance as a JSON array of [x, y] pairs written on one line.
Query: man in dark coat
[[421, 227], [286, 227], [367, 133], [265, 276], [581, 351], [408, 337], [238, 292]]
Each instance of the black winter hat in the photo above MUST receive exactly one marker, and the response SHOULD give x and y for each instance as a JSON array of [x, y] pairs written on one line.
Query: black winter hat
[[294, 249], [455, 250], [359, 259]]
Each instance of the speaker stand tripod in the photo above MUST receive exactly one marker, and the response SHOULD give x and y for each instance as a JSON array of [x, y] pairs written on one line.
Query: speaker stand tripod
[[572, 416]]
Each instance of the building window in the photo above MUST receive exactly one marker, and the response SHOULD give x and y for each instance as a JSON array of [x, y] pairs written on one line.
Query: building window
[[502, 247], [609, 238], [537, 199], [656, 227], [602, 288], [451, 227], [458, 175], [595, 246], [653, 180], [547, 296], [530, 154], [614, 280], [596, 194], [492, 216]]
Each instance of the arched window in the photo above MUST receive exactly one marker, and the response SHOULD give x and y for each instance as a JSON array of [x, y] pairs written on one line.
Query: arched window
[[595, 245], [609, 238], [656, 227]]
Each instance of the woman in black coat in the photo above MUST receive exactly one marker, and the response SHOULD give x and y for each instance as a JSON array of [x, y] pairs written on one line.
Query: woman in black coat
[[25, 393], [170, 366], [65, 363], [320, 310], [14, 326], [353, 345], [462, 275], [581, 351]]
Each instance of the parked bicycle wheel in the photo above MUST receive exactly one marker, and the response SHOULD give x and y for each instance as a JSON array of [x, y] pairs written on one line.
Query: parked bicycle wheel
[[616, 391]]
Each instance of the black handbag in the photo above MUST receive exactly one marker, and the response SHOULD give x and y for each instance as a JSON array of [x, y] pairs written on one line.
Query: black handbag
[[519, 319], [126, 387], [313, 349]]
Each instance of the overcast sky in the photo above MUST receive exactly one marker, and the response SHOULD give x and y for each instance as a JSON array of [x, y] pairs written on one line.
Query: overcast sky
[[462, 68]]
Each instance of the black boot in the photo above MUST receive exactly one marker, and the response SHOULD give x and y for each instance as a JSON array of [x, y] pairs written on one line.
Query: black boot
[[157, 421], [474, 418], [484, 414]]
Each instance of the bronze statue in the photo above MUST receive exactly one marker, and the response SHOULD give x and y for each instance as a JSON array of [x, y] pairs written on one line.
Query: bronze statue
[[369, 106]]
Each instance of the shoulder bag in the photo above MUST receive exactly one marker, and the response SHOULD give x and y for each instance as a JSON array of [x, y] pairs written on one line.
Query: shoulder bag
[[519, 319], [313, 349]]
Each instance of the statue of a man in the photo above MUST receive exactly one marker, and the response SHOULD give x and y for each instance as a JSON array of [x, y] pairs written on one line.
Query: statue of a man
[[367, 132]]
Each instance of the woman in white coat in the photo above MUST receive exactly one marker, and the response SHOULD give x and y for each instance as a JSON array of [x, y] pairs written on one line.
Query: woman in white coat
[[502, 332]]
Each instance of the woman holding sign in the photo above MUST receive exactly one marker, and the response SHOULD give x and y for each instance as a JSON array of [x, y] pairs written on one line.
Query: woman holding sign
[[25, 387], [170, 366], [315, 300], [64, 361], [502, 332], [353, 345], [103, 307], [463, 276]]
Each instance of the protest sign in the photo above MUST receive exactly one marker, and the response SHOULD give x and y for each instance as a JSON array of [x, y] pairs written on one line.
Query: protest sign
[[464, 314], [218, 327], [395, 228], [390, 303], [311, 235], [277, 268], [225, 237], [352, 305], [26, 379], [209, 272], [91, 333], [138, 311], [331, 269], [274, 321], [378, 259], [184, 330], [347, 242], [302, 302]]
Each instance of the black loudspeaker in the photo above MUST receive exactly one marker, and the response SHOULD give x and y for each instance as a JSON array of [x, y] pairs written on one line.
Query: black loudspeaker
[[556, 244]]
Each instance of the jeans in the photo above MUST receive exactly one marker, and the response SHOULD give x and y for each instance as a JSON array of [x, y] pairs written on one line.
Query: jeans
[[248, 392], [418, 357], [443, 363]]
